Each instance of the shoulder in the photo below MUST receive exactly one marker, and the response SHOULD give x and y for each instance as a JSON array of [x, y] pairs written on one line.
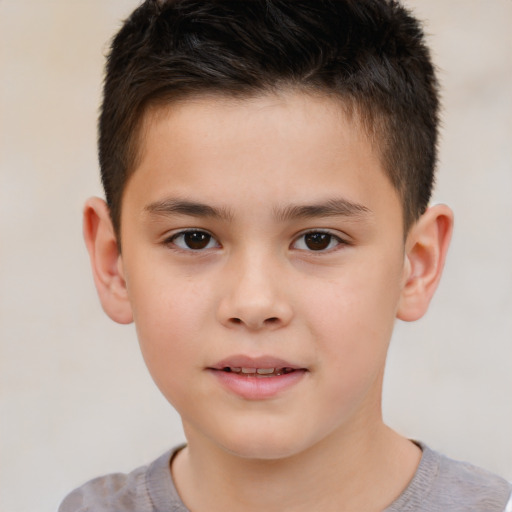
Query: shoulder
[[442, 484], [472, 486], [141, 490], [106, 493]]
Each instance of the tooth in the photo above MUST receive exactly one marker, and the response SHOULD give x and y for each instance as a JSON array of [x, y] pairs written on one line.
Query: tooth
[[265, 371], [248, 370], [236, 370]]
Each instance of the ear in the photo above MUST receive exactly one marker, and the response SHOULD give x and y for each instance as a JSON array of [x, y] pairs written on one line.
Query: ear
[[106, 261], [425, 253]]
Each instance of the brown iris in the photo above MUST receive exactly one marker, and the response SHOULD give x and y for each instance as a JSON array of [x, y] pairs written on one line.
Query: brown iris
[[317, 241], [196, 239]]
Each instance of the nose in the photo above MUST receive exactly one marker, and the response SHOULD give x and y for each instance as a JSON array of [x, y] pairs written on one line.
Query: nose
[[254, 295]]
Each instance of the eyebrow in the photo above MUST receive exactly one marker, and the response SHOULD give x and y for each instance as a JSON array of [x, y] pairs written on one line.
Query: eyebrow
[[189, 208], [338, 207]]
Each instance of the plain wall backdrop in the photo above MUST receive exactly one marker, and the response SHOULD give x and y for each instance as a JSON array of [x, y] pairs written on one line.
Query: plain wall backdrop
[[75, 398]]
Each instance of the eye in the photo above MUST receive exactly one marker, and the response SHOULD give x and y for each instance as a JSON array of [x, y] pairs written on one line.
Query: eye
[[193, 240], [317, 241]]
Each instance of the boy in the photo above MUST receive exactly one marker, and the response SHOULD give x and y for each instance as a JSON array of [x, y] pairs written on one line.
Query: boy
[[267, 168]]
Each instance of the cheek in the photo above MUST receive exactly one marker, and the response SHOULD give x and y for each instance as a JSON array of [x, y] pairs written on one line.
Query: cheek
[[170, 317], [352, 318], [166, 303], [363, 298], [352, 342]]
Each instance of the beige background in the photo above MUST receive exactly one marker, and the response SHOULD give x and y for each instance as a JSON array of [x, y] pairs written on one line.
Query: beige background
[[75, 398]]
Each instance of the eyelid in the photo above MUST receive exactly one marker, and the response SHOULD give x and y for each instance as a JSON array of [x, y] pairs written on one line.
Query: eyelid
[[170, 239], [342, 240]]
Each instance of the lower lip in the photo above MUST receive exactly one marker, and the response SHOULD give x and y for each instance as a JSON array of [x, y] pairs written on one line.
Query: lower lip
[[258, 388]]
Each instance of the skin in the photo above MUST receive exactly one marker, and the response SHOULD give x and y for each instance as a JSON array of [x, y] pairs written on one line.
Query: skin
[[243, 176]]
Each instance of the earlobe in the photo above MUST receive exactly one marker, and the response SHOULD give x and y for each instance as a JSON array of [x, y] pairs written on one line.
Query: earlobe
[[106, 261], [426, 249]]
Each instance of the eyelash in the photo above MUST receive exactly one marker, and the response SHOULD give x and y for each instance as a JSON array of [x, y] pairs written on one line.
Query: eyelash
[[210, 242], [331, 237], [182, 234]]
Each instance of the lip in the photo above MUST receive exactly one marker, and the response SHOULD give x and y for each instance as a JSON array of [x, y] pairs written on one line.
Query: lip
[[256, 387], [242, 361]]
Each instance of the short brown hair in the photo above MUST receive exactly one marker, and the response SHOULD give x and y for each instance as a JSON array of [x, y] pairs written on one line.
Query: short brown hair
[[369, 53]]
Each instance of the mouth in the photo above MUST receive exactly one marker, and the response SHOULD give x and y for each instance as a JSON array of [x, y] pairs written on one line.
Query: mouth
[[263, 366], [258, 372], [257, 378]]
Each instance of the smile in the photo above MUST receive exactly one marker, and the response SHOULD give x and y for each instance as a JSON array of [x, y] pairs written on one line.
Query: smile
[[258, 372], [257, 378]]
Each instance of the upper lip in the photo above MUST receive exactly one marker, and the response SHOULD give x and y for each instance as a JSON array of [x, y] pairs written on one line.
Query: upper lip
[[243, 361]]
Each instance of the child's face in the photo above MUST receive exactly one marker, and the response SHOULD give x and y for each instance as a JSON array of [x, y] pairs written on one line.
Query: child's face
[[264, 234]]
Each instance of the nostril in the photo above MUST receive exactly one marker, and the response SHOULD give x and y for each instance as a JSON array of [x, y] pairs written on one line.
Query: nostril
[[268, 321]]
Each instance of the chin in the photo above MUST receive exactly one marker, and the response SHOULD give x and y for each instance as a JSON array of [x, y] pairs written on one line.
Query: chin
[[261, 451], [263, 445]]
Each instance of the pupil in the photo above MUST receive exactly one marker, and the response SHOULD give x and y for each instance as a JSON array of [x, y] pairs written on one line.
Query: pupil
[[317, 241], [197, 239]]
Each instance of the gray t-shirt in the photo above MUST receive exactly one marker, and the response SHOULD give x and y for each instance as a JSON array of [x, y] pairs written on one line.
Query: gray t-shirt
[[440, 484]]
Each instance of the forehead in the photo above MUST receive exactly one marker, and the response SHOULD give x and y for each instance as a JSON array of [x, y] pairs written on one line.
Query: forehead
[[290, 113], [282, 147]]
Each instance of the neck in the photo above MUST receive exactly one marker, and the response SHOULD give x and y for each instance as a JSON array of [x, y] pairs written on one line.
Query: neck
[[366, 470]]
